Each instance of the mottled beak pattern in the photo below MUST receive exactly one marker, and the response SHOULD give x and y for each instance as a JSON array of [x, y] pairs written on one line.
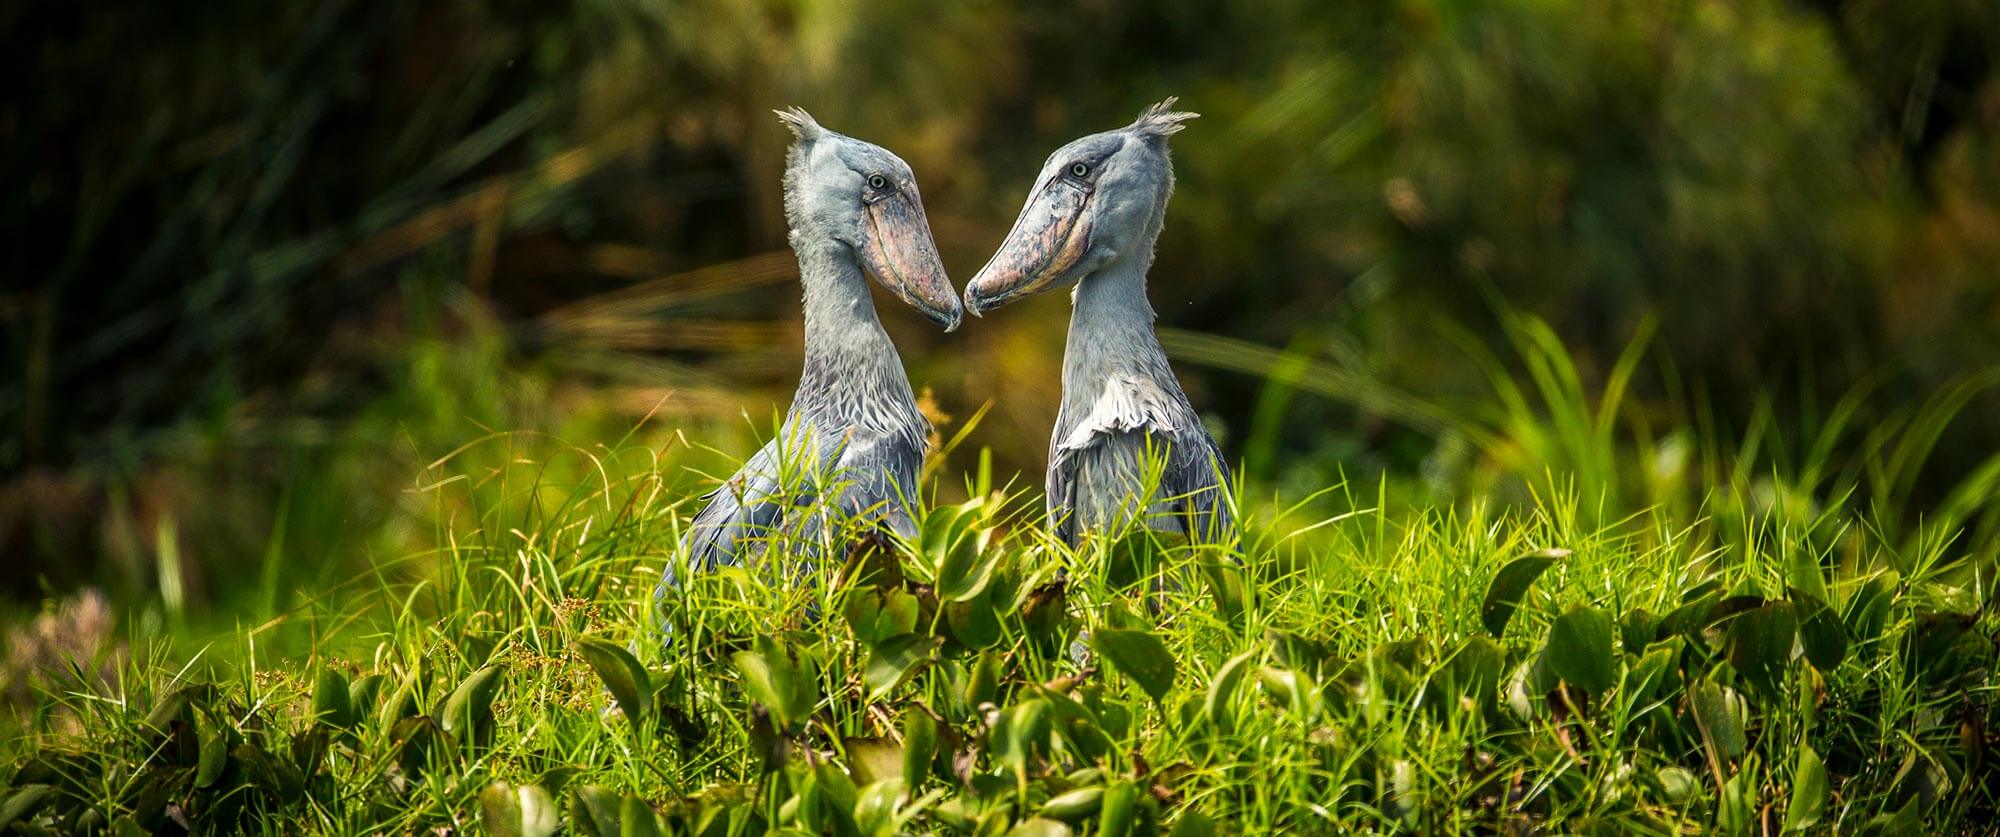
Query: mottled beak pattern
[[901, 255], [1048, 239]]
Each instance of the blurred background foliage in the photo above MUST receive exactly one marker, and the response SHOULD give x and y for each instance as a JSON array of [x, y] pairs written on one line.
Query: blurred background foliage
[[271, 262]]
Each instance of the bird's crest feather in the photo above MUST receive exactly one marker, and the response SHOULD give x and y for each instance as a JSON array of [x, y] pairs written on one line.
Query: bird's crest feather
[[1161, 120], [803, 125]]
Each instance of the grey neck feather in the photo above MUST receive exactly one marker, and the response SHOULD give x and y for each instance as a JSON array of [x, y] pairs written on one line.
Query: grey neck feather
[[1111, 334], [852, 372]]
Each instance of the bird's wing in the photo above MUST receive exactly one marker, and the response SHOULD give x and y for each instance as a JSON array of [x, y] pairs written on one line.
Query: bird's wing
[[1096, 464], [878, 477], [751, 506]]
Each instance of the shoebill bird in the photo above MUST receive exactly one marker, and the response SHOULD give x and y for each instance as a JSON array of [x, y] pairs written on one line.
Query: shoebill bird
[[1125, 426], [853, 431]]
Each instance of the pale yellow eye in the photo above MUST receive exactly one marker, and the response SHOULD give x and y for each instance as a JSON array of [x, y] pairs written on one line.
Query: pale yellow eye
[[1079, 170]]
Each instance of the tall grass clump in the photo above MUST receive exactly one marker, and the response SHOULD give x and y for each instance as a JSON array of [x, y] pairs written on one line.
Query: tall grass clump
[[1623, 629]]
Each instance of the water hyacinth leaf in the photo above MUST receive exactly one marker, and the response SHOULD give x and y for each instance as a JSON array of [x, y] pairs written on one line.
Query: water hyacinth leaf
[[525, 811], [23, 802], [1809, 791], [875, 807], [1579, 650], [621, 674], [876, 615], [1688, 619], [1760, 644], [402, 704], [1138, 655], [1638, 629], [469, 709], [361, 696], [1222, 690], [920, 745], [873, 758], [1120, 811], [1644, 678], [967, 568], [1289, 688], [1074, 806], [637, 819], [1476, 668], [975, 623], [331, 704], [1039, 827], [1720, 713], [787, 688], [1822, 635], [593, 811], [215, 746], [1193, 824], [1510, 585], [173, 708], [892, 662]]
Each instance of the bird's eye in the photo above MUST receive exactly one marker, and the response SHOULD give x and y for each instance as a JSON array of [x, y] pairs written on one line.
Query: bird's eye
[[1079, 170], [876, 181]]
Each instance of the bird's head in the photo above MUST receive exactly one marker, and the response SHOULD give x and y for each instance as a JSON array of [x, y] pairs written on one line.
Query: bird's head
[[1096, 198], [865, 199]]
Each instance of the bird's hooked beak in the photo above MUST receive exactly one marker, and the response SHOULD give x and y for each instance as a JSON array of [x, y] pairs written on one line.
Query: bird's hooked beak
[[900, 254], [1049, 238]]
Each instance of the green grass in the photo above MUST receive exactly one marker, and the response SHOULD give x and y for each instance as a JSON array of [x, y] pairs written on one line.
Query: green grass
[[1608, 627], [1352, 672]]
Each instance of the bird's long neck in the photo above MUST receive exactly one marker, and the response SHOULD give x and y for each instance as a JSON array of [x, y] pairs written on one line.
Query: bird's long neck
[[849, 359], [1111, 333]]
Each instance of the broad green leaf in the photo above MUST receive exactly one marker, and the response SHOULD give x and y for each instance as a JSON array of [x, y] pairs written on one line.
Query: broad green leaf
[[786, 688], [1677, 784], [1579, 650], [525, 811], [1720, 714], [23, 802], [1760, 644], [1039, 827], [1193, 824], [331, 702], [469, 709], [1138, 655], [875, 807], [621, 674], [1222, 691], [891, 662], [362, 695], [593, 811], [215, 745], [873, 758], [1291, 689], [401, 705], [1074, 806], [1638, 629], [1809, 791], [637, 819], [967, 568], [1823, 636], [1643, 679], [920, 745], [975, 623], [1120, 811], [1475, 670], [1510, 585]]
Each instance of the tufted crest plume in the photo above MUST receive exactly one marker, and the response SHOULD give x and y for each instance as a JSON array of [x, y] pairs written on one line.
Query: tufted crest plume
[[1161, 120], [803, 125]]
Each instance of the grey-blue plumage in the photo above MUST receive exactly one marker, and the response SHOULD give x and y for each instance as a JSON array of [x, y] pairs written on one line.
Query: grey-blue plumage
[[853, 441], [1126, 441]]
